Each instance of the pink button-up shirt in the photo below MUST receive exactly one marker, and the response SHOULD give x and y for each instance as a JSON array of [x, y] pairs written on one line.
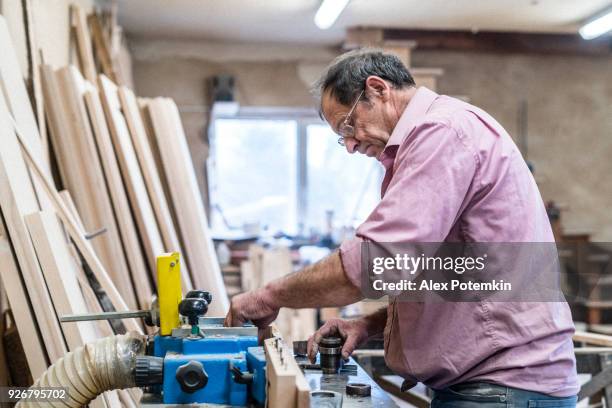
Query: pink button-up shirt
[[454, 174]]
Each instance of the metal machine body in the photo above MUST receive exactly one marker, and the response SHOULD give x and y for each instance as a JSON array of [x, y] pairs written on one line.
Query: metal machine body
[[233, 365], [194, 359]]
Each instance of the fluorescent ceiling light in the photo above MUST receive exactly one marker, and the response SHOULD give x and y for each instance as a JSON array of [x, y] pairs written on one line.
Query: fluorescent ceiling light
[[597, 26], [328, 13]]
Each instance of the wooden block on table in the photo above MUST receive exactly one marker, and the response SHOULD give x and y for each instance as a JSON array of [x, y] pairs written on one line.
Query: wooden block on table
[[287, 386]]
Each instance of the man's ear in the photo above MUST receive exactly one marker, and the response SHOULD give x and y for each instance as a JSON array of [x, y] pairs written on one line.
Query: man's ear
[[376, 86]]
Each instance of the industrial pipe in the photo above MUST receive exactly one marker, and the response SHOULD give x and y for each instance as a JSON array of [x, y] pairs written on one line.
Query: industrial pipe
[[104, 365]]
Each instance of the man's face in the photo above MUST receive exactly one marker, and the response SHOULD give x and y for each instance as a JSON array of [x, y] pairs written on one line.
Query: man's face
[[370, 135]]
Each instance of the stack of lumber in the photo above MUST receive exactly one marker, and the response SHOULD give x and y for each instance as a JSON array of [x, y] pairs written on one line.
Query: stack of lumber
[[87, 209]]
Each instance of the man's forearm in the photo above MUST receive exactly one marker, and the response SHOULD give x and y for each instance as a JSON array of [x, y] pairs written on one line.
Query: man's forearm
[[323, 284]]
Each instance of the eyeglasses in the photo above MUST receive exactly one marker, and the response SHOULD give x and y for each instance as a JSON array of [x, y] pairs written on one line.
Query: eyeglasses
[[345, 129]]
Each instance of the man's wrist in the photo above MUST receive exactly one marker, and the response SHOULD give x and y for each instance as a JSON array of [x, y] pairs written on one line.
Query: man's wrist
[[270, 295]]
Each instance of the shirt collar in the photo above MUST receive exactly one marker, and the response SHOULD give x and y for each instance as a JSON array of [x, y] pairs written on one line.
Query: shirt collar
[[416, 109]]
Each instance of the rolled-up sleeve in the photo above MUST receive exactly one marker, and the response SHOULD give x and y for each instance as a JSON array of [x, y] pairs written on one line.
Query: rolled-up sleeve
[[433, 171]]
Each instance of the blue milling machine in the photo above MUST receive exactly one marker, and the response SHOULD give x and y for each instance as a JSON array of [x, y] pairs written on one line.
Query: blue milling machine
[[218, 365], [206, 363], [194, 359]]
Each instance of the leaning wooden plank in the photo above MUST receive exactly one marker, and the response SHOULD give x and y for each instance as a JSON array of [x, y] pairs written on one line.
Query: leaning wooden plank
[[102, 48], [81, 170], [125, 221], [60, 275], [76, 233], [187, 200], [18, 299], [93, 304], [132, 176], [17, 198], [151, 178], [18, 102], [34, 57], [83, 40]]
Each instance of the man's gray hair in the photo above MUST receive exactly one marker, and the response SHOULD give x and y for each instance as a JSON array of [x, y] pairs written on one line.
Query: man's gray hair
[[345, 77]]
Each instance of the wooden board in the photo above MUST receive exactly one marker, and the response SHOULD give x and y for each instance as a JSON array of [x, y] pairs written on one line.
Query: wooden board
[[132, 176], [33, 345], [91, 300], [34, 57], [152, 180], [81, 170], [102, 48], [125, 221], [74, 230], [78, 20], [18, 102], [287, 386], [17, 199], [60, 274], [593, 338], [186, 201]]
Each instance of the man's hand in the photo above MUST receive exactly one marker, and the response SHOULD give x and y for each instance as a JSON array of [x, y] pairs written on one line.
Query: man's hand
[[354, 332], [256, 306]]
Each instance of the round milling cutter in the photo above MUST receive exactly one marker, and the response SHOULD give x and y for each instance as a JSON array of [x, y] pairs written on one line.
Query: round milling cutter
[[330, 350]]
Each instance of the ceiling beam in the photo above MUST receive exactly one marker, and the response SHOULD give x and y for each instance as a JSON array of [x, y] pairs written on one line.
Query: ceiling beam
[[540, 43], [488, 41]]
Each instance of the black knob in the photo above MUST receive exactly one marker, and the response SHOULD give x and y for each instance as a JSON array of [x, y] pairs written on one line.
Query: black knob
[[200, 294], [148, 370], [192, 309], [191, 376]]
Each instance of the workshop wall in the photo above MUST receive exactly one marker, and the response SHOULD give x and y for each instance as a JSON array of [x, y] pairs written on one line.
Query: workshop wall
[[569, 122], [266, 75], [568, 98]]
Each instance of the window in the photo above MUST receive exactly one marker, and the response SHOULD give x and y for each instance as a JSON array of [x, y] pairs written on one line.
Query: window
[[283, 173]]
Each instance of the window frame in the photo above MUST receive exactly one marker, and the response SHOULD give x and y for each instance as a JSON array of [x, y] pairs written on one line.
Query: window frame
[[303, 118]]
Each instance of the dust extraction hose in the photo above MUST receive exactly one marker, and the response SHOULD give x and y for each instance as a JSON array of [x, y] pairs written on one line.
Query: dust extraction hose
[[104, 365]]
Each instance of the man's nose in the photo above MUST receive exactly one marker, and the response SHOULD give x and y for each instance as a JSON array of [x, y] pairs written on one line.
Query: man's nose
[[351, 144]]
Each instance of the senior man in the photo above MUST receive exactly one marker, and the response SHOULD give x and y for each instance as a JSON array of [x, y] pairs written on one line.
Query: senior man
[[452, 174]]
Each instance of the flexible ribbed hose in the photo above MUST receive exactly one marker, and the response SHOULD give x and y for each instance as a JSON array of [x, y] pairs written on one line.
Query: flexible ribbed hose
[[107, 364]]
